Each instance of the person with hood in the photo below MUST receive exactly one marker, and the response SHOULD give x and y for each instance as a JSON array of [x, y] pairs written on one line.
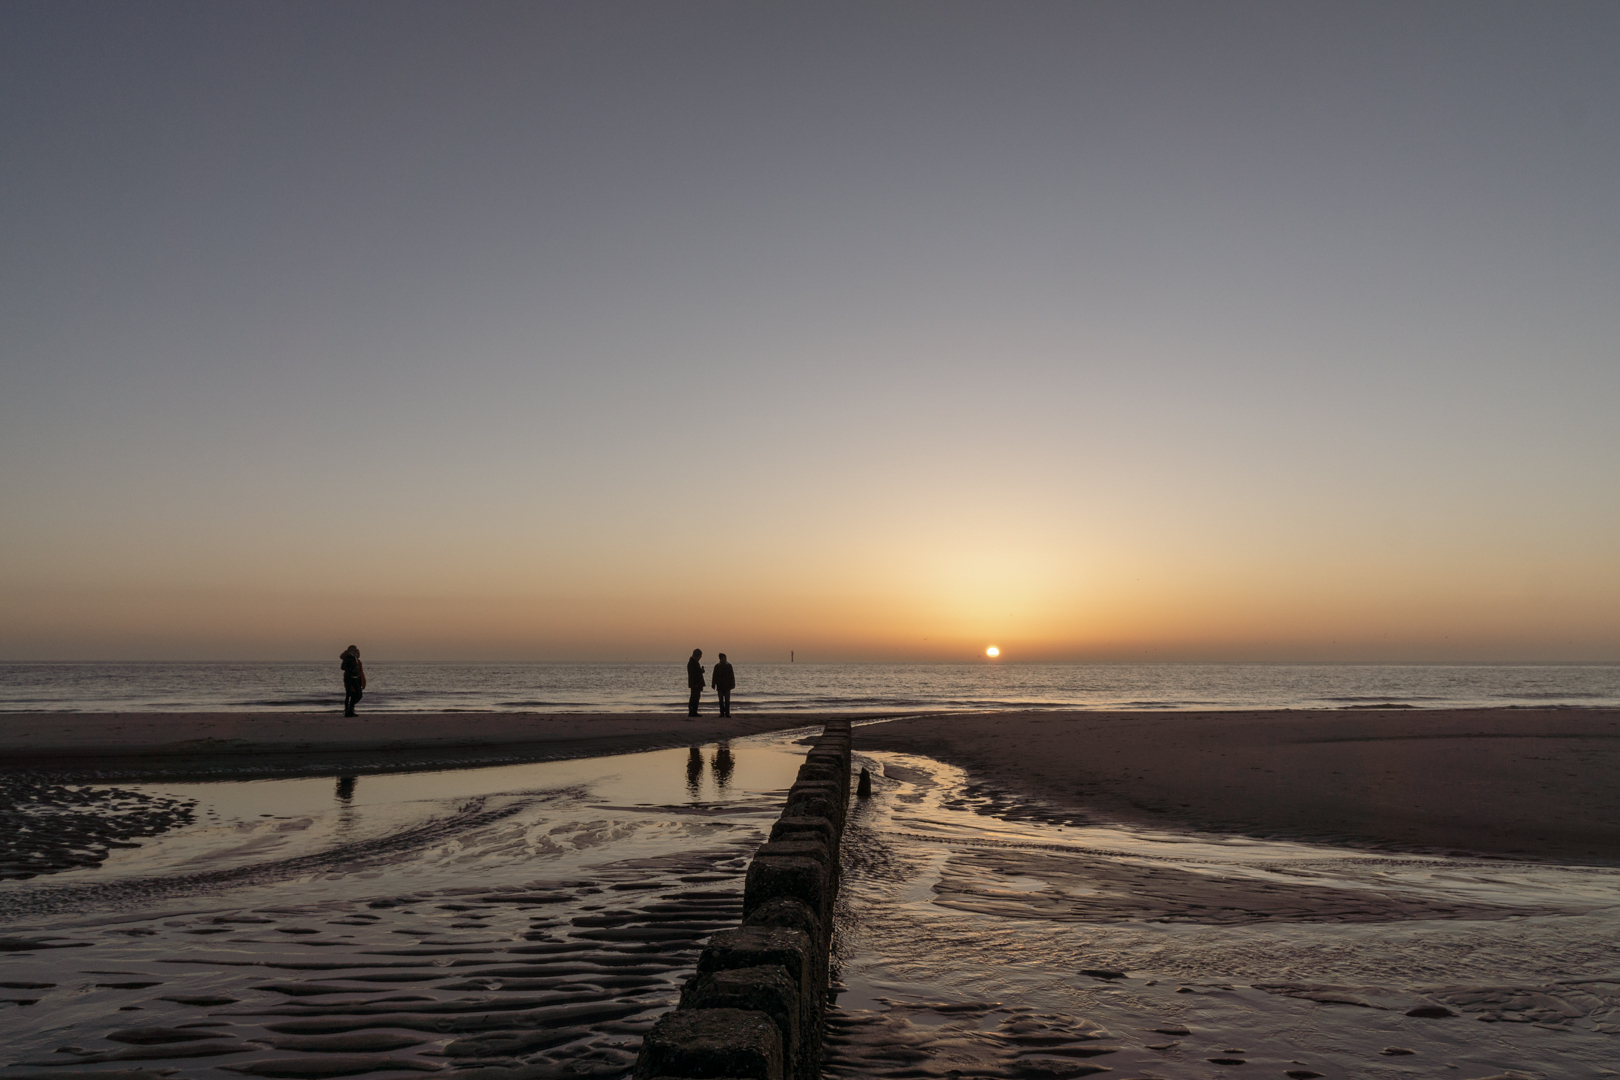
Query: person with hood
[[725, 680], [354, 678], [694, 681]]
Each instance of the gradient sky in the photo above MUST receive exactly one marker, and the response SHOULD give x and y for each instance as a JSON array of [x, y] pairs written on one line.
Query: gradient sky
[[875, 331]]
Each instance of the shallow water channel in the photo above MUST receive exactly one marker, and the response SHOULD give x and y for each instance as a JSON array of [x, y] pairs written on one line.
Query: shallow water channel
[[540, 917]]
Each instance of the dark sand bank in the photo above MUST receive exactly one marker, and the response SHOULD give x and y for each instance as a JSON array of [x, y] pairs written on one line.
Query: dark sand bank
[[1520, 783], [1517, 783], [248, 745]]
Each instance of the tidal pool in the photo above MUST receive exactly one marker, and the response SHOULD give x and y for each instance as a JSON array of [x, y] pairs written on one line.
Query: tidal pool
[[539, 915]]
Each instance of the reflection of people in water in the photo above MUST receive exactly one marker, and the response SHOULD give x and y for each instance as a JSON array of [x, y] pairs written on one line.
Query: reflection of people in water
[[722, 766], [345, 788], [694, 772], [724, 680]]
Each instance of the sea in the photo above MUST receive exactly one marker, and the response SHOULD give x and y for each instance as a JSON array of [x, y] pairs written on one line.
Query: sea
[[874, 688]]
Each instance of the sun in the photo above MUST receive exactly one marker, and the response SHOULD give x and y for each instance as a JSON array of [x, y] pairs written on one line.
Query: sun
[[992, 652]]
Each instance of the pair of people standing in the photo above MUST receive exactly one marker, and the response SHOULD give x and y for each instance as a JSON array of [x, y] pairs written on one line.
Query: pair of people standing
[[724, 682]]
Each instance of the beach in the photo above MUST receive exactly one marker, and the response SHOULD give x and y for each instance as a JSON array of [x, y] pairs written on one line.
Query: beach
[[998, 922], [1515, 783], [242, 745], [1026, 894], [1518, 783], [535, 916]]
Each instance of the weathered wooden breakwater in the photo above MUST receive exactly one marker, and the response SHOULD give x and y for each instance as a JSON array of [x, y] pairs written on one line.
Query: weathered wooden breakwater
[[754, 1008]]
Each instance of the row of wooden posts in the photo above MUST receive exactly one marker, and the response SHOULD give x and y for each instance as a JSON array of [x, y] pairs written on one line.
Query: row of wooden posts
[[754, 1008]]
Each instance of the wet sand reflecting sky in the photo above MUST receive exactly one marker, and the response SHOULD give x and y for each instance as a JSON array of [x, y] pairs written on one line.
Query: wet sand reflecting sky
[[972, 943], [544, 915], [539, 914]]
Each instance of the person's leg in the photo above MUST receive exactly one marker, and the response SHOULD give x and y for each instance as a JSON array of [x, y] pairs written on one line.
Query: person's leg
[[348, 701], [725, 702], [692, 705]]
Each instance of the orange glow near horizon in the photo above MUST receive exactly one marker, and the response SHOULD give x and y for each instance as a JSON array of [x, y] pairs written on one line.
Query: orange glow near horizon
[[839, 601], [810, 387], [1119, 578]]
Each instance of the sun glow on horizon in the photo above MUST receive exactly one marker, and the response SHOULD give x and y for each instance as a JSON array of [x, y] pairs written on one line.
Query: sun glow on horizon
[[992, 652]]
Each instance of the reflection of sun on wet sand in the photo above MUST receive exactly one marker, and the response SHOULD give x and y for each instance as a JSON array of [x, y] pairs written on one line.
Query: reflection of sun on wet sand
[[1519, 783]]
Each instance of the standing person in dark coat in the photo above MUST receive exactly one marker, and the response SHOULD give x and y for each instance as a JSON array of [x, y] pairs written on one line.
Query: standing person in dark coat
[[724, 680], [354, 678], [694, 681]]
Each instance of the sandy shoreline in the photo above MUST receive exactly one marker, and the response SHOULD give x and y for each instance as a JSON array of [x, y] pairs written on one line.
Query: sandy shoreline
[[270, 744], [1513, 783], [451, 932], [1517, 783]]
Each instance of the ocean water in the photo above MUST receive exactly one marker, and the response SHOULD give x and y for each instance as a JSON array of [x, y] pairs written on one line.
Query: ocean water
[[396, 686]]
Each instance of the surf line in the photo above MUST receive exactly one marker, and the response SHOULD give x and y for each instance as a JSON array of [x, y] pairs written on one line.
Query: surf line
[[754, 1008]]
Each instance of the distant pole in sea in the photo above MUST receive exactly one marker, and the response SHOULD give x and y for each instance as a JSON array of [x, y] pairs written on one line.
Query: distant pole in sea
[[790, 656]]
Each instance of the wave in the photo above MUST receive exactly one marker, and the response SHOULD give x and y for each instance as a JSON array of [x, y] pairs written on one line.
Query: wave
[[1381, 698], [1553, 695], [768, 687]]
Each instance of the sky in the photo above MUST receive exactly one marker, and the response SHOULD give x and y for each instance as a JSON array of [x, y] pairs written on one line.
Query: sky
[[874, 331]]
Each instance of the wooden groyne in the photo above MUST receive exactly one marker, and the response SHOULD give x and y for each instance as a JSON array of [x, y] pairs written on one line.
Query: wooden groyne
[[754, 1008]]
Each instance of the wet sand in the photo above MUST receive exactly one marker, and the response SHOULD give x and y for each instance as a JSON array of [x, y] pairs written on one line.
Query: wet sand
[[978, 934], [527, 921], [267, 744], [986, 939], [1514, 783]]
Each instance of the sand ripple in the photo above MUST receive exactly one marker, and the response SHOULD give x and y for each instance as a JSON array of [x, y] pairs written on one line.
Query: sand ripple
[[983, 937], [394, 939], [46, 826], [565, 973]]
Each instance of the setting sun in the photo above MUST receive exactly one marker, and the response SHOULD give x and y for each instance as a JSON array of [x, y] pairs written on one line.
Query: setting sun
[[992, 651]]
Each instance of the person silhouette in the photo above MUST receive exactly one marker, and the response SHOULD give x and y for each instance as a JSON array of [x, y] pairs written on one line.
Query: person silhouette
[[694, 681], [354, 678], [724, 681]]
